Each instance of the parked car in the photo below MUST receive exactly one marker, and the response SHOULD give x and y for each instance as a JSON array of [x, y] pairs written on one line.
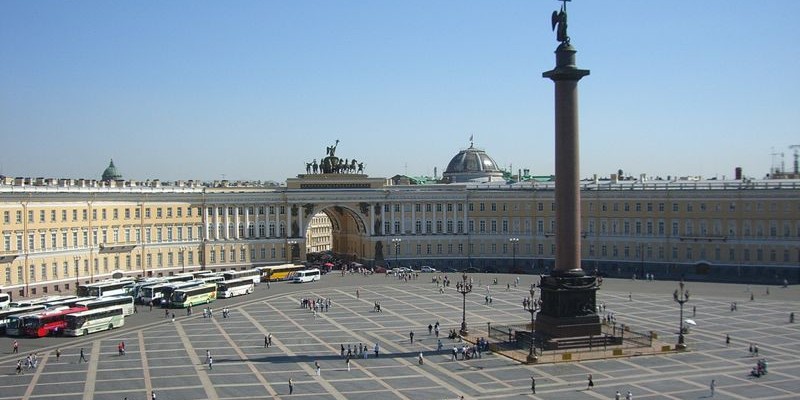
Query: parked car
[[426, 268]]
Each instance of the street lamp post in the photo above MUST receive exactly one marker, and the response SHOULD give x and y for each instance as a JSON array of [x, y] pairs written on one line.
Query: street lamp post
[[532, 306], [77, 272], [291, 244], [514, 241], [464, 287], [396, 242], [680, 296]]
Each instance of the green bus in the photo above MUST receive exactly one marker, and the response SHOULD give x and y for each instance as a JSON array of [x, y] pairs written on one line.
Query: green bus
[[191, 296]]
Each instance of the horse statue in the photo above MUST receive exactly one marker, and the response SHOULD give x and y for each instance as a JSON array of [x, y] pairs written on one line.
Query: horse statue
[[361, 168], [308, 167]]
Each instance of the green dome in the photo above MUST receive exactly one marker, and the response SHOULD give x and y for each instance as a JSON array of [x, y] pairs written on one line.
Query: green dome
[[110, 174]]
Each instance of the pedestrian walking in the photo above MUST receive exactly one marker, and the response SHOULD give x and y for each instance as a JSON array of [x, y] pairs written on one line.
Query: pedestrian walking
[[166, 313], [269, 340], [153, 396], [82, 357], [591, 382], [727, 340], [341, 353], [755, 350], [319, 369], [430, 329], [629, 396], [751, 349], [347, 362], [210, 362], [19, 367], [291, 386], [713, 386], [411, 336], [377, 348], [617, 396], [208, 355], [791, 317], [15, 348], [58, 354], [533, 385], [266, 341], [358, 295], [694, 311], [420, 360]]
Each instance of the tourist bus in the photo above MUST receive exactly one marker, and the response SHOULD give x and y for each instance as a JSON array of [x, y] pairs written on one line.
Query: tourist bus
[[179, 278], [254, 274], [6, 315], [111, 287], [5, 301], [282, 272], [71, 301], [124, 302], [136, 290], [157, 293], [235, 287], [212, 279], [172, 287], [90, 321], [306, 275], [191, 296], [39, 300], [50, 322]]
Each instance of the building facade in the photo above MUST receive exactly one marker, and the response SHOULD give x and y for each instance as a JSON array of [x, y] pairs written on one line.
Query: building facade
[[60, 233]]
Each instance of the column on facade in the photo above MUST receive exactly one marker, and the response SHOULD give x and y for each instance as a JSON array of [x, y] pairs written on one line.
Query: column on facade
[[301, 232], [403, 218], [371, 221], [247, 221], [391, 222], [414, 218], [466, 225], [216, 222], [226, 221], [433, 218], [236, 222], [206, 223], [424, 218], [288, 220]]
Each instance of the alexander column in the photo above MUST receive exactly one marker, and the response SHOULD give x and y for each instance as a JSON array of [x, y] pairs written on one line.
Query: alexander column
[[568, 294]]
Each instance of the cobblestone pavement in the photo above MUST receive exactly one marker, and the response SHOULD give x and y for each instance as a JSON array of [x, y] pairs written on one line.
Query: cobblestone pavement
[[170, 357]]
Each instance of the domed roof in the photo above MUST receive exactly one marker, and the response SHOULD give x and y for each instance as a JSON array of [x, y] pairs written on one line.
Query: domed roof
[[471, 164], [110, 174]]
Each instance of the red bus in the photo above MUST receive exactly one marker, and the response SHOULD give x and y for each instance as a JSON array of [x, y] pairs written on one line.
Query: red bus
[[47, 322]]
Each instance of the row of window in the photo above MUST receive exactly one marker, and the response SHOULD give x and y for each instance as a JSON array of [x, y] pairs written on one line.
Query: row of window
[[102, 214], [74, 238]]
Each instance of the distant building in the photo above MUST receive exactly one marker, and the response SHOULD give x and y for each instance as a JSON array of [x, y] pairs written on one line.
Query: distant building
[[110, 173]]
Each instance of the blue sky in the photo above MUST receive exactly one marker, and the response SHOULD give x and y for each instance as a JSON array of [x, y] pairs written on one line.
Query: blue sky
[[254, 89]]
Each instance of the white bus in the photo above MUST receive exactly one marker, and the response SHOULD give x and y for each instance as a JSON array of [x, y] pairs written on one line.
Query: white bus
[[99, 319], [39, 300], [71, 301], [254, 274], [5, 301], [306, 275], [111, 287], [190, 296], [212, 279], [123, 302], [235, 287], [160, 293]]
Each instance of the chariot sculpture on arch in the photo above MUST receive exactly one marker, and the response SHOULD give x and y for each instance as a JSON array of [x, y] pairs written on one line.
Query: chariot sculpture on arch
[[334, 165]]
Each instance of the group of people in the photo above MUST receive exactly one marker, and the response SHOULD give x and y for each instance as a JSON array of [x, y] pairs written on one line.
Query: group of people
[[318, 304], [30, 362], [357, 351]]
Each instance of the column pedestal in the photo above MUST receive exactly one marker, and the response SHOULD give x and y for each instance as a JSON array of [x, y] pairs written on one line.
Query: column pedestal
[[568, 308]]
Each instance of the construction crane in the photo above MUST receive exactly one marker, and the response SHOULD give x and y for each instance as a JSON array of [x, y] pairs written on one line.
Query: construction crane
[[796, 148]]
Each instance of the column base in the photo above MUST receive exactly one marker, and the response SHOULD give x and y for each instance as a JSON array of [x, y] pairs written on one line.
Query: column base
[[568, 307]]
